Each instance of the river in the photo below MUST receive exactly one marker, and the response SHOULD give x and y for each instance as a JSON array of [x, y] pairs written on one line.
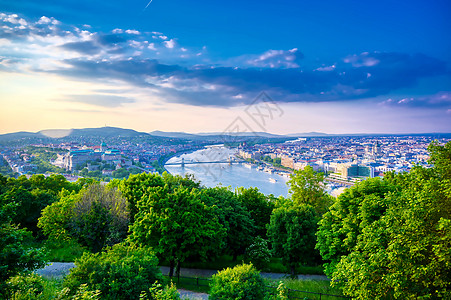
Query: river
[[234, 175]]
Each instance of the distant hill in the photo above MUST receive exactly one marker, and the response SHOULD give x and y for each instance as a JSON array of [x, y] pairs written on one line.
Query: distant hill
[[49, 135], [178, 135], [18, 135], [102, 133], [309, 134], [214, 135], [106, 132], [248, 134]]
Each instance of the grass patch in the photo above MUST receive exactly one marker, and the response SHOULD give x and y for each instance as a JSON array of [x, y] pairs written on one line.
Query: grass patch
[[222, 262], [63, 251], [302, 289], [226, 261], [275, 266], [200, 285], [312, 286], [52, 287]]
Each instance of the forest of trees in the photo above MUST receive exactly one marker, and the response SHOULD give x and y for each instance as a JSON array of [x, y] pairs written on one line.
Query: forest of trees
[[383, 238]]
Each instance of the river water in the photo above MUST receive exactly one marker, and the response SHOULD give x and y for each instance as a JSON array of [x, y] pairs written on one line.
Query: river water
[[225, 174]]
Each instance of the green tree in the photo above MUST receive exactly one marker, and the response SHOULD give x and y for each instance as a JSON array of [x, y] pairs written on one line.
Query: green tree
[[241, 282], [258, 253], [120, 272], [354, 209], [32, 195], [56, 218], [259, 207], [177, 225], [95, 217], [234, 217], [136, 186], [175, 181], [402, 247], [307, 187], [15, 255], [100, 217], [292, 234]]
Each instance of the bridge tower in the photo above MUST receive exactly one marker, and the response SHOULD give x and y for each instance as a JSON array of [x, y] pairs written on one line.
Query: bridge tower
[[229, 160], [183, 162]]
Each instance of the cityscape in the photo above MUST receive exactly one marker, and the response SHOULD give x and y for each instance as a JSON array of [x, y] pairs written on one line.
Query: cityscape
[[225, 150], [344, 160]]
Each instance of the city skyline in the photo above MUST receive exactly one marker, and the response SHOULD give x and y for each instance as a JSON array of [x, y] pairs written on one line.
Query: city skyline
[[335, 67]]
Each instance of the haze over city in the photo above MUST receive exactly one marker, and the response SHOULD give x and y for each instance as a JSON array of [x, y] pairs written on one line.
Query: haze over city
[[328, 66]]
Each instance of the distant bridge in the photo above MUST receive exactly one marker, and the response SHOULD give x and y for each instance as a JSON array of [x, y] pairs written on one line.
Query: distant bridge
[[340, 181], [196, 162]]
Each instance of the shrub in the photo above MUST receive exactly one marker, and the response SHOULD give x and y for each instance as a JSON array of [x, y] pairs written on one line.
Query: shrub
[[25, 286], [120, 272], [240, 282], [157, 292]]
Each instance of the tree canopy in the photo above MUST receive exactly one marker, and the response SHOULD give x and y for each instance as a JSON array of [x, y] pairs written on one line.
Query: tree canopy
[[396, 234], [259, 207], [177, 224], [307, 187], [292, 234]]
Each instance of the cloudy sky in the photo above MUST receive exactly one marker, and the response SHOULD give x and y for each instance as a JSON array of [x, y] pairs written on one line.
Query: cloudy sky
[[196, 66]]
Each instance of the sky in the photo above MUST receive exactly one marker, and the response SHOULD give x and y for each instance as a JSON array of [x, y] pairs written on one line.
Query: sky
[[216, 66]]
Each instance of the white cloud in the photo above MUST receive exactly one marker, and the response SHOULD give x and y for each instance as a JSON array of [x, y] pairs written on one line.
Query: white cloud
[[169, 44], [276, 59], [326, 69], [152, 46], [131, 31]]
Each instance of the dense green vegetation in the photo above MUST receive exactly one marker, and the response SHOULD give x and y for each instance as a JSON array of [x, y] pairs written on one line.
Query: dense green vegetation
[[241, 282], [276, 162], [5, 169], [390, 238], [41, 157], [381, 239]]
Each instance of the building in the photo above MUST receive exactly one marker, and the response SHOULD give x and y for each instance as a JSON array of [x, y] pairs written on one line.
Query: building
[[78, 157], [355, 170], [287, 161]]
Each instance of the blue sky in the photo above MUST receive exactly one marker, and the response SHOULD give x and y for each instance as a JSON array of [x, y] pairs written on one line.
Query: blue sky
[[331, 66]]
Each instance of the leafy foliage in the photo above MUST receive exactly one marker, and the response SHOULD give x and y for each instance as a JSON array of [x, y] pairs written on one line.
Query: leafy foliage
[[32, 195], [241, 282], [177, 224], [95, 217], [234, 217], [258, 205], [136, 186], [15, 256], [306, 187], [258, 253], [398, 244], [120, 272], [25, 286], [354, 209], [292, 233], [100, 217], [157, 292]]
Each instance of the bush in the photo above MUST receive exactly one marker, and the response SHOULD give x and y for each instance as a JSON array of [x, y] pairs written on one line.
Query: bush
[[63, 251], [120, 272], [156, 292], [240, 282], [25, 286], [258, 253]]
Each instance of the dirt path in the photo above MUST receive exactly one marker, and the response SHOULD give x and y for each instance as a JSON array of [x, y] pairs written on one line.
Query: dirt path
[[185, 294], [56, 270], [59, 270], [208, 273]]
